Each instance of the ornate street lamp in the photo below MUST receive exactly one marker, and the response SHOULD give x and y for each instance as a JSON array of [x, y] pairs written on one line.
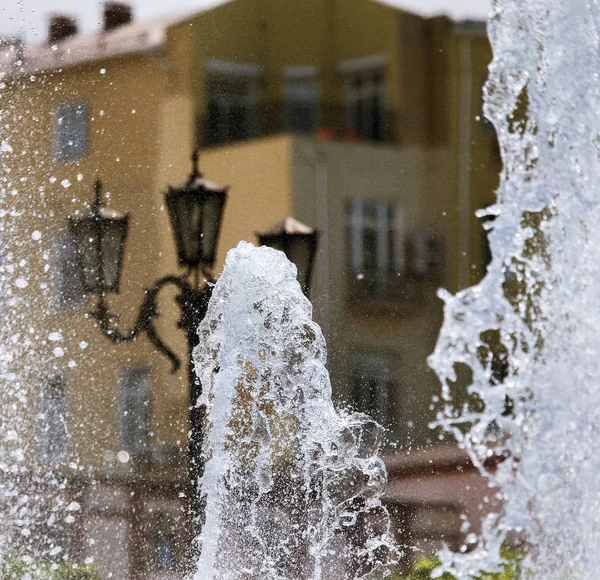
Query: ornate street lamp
[[195, 210], [298, 242]]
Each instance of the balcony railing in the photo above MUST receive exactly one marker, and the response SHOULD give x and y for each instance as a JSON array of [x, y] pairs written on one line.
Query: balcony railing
[[329, 122]]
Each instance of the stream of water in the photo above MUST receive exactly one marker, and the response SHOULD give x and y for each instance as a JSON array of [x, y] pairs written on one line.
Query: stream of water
[[292, 487], [518, 354]]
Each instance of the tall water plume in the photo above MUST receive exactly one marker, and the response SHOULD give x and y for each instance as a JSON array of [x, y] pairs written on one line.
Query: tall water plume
[[525, 340], [292, 487]]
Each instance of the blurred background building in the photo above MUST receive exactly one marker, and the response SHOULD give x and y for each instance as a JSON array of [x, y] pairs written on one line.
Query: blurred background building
[[358, 119]]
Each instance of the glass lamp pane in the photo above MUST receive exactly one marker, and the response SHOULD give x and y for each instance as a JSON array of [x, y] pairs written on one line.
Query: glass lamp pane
[[298, 248], [100, 237], [275, 242], [190, 222], [196, 221], [185, 211], [85, 232], [114, 234], [299, 252], [211, 225]]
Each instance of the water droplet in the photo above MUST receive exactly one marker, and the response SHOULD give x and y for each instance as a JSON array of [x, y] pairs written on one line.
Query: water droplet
[[123, 456]]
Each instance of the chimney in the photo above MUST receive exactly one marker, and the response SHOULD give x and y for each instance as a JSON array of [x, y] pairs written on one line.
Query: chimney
[[116, 14], [61, 27]]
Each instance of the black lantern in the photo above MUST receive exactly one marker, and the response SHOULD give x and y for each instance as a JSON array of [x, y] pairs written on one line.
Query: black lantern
[[100, 236], [298, 242], [196, 210]]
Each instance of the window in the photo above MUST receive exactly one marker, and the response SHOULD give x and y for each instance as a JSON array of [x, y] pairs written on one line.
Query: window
[[231, 101], [66, 283], [301, 93], [134, 409], [51, 424], [376, 240], [71, 131], [164, 553], [365, 97], [373, 380], [377, 256]]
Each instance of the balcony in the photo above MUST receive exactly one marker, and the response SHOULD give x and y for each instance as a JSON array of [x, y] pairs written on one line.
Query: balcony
[[329, 122]]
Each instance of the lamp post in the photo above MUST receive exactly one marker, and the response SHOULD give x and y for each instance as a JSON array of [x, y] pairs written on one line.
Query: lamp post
[[195, 211], [298, 242]]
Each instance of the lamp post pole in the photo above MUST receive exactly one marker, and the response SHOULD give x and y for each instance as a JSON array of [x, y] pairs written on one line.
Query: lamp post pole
[[195, 210], [193, 306]]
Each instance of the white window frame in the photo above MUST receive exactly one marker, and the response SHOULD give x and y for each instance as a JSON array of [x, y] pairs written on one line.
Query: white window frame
[[388, 223], [61, 154]]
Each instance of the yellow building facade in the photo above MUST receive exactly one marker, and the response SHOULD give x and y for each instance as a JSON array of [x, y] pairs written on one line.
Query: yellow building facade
[[355, 118]]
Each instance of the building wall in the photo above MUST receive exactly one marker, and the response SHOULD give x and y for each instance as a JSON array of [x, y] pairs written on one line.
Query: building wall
[[412, 180], [321, 33], [474, 148], [445, 157], [121, 127]]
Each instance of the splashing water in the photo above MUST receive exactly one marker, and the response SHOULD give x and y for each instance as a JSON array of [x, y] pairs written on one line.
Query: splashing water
[[525, 340], [292, 487], [34, 500]]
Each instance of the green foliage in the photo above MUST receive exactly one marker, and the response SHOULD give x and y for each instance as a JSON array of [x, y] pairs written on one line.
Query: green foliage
[[19, 569], [513, 569], [422, 571]]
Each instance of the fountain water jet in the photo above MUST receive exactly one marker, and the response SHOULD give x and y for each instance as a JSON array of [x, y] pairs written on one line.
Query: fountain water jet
[[524, 340], [292, 487]]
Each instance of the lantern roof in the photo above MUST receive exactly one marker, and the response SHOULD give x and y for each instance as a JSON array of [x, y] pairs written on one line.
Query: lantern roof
[[197, 182], [288, 226], [110, 214], [100, 211]]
